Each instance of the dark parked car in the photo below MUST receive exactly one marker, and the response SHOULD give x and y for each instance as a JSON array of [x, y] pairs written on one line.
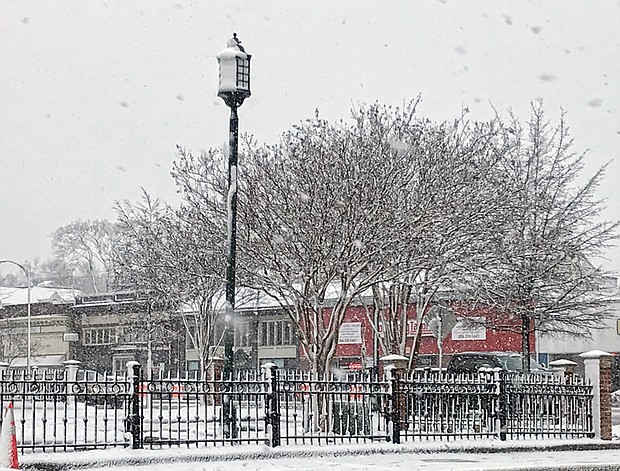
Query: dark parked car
[[507, 361]]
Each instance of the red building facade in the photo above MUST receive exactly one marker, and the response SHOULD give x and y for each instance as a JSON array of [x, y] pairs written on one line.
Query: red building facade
[[477, 329]]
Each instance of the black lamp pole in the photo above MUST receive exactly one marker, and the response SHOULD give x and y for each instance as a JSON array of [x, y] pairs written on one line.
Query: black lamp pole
[[234, 88], [231, 257]]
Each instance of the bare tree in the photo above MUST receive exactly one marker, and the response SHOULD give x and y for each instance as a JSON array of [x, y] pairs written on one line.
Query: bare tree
[[13, 343], [551, 229], [319, 216], [171, 255], [450, 208], [13, 334], [89, 242]]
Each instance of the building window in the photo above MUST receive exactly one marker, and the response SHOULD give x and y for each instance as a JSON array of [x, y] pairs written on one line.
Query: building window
[[274, 333], [189, 336], [242, 335], [132, 334], [100, 336], [263, 338], [119, 365], [218, 334]]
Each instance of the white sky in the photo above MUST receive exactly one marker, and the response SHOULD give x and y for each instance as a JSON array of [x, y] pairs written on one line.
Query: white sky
[[94, 96]]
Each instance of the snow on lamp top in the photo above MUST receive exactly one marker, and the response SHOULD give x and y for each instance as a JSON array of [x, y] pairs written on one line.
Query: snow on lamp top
[[234, 65]]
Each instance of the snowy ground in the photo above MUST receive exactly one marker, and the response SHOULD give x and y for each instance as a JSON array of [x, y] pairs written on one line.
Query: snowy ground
[[458, 455], [592, 460], [465, 455]]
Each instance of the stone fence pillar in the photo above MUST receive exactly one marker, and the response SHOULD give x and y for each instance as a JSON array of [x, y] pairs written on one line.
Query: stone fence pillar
[[71, 369], [598, 371]]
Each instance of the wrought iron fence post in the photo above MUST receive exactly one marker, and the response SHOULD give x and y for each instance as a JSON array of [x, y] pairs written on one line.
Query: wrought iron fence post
[[502, 409], [133, 420], [272, 405], [229, 410], [394, 408], [396, 374], [4, 375], [397, 407]]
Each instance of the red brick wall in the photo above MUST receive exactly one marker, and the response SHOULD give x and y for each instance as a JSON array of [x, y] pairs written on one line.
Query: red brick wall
[[605, 389]]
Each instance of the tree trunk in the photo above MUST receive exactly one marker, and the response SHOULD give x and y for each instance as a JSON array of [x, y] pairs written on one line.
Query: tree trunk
[[525, 341]]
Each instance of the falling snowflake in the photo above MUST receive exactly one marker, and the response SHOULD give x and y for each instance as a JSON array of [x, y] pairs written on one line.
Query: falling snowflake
[[397, 145], [595, 102], [547, 77]]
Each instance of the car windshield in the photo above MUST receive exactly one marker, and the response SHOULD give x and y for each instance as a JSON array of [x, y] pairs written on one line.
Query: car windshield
[[515, 363], [534, 365], [511, 363]]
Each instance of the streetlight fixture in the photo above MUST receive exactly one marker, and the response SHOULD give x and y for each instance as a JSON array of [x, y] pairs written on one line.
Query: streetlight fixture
[[234, 88], [27, 272]]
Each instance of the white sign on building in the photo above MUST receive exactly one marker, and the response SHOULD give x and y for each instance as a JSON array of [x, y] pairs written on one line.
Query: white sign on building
[[470, 329], [350, 333]]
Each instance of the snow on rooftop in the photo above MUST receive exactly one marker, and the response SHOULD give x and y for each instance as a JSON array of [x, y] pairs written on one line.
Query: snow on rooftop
[[38, 294]]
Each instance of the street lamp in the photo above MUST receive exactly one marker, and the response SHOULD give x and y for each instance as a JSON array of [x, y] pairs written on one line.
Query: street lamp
[[234, 88], [27, 272]]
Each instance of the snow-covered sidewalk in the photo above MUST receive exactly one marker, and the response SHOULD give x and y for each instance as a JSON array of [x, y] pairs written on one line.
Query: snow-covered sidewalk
[[457, 455], [538, 461]]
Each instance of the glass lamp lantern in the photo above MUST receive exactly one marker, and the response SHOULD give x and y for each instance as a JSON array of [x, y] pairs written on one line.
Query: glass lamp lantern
[[234, 65]]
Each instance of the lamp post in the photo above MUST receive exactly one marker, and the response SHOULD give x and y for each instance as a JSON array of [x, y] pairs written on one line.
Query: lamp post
[[27, 272], [234, 88]]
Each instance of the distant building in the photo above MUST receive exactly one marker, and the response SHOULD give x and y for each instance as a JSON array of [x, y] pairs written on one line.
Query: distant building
[[607, 338], [49, 319], [117, 328], [103, 332], [106, 331], [263, 333], [475, 330]]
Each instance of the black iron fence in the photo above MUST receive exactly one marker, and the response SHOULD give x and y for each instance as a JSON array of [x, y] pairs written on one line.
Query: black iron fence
[[64, 411]]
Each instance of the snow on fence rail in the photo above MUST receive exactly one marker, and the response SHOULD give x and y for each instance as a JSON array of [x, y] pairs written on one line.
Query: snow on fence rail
[[60, 412]]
